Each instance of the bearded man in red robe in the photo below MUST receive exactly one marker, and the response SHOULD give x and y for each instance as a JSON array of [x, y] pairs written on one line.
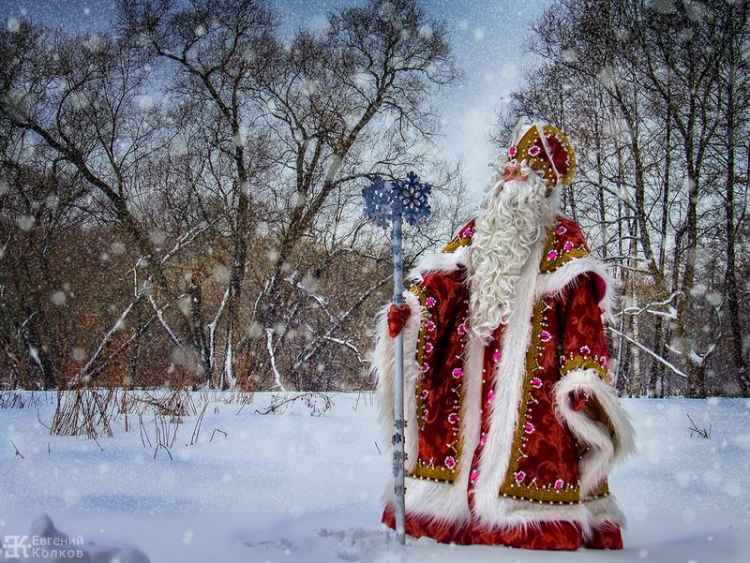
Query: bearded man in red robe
[[512, 420]]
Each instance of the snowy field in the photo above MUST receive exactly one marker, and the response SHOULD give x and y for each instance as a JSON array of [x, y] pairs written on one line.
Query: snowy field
[[237, 486]]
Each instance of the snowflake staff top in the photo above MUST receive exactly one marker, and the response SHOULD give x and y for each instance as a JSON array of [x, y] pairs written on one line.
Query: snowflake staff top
[[403, 198]]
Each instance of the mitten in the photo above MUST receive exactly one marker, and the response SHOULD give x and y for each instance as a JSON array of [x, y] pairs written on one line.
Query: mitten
[[397, 317]]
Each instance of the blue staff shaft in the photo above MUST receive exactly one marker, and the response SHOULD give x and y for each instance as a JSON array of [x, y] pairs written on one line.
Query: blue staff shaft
[[398, 450]]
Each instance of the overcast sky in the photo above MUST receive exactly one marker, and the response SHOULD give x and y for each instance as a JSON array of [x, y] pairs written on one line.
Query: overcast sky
[[487, 36]]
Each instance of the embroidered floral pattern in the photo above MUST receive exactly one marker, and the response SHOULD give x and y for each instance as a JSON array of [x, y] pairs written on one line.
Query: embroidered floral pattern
[[563, 244], [428, 464], [521, 483], [597, 363]]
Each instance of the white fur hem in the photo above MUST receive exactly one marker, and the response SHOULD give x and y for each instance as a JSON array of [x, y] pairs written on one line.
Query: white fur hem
[[445, 502]]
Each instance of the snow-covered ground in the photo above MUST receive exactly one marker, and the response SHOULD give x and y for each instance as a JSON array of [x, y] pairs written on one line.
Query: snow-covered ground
[[298, 487]]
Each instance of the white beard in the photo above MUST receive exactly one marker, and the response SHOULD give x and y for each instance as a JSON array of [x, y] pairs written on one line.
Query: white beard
[[513, 218]]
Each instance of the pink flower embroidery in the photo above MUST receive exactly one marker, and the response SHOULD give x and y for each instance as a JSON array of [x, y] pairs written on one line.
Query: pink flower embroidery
[[490, 396], [536, 382], [528, 428], [561, 230], [512, 151], [496, 356], [463, 329], [430, 325], [453, 418], [585, 351], [568, 246], [425, 367], [429, 347], [450, 462], [534, 151], [430, 302], [473, 476], [520, 476], [545, 336], [552, 255], [468, 233], [458, 373], [559, 484]]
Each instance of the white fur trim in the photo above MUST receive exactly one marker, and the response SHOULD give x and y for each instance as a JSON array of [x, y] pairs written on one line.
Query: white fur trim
[[509, 376], [440, 262], [603, 511], [383, 362], [605, 450]]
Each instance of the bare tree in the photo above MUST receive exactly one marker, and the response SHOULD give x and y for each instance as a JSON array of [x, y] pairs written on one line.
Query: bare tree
[[89, 107], [303, 121]]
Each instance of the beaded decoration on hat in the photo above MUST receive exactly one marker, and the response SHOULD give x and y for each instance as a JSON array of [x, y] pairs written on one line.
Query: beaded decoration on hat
[[545, 149]]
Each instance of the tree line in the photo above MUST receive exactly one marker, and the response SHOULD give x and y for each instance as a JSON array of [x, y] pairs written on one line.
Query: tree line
[[656, 95], [180, 196]]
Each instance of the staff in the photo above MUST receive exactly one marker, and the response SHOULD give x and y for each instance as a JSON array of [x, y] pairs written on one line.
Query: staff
[[390, 202]]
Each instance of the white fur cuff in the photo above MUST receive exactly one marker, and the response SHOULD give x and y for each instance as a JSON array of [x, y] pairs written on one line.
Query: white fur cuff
[[610, 440]]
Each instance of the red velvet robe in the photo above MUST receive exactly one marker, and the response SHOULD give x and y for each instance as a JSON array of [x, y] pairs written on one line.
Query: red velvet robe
[[503, 445]]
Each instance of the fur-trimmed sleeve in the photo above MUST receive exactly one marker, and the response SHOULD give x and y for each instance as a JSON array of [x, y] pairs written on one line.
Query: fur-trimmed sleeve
[[602, 426]]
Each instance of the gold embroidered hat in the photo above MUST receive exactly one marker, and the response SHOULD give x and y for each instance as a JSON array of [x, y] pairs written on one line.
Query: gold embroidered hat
[[546, 150]]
